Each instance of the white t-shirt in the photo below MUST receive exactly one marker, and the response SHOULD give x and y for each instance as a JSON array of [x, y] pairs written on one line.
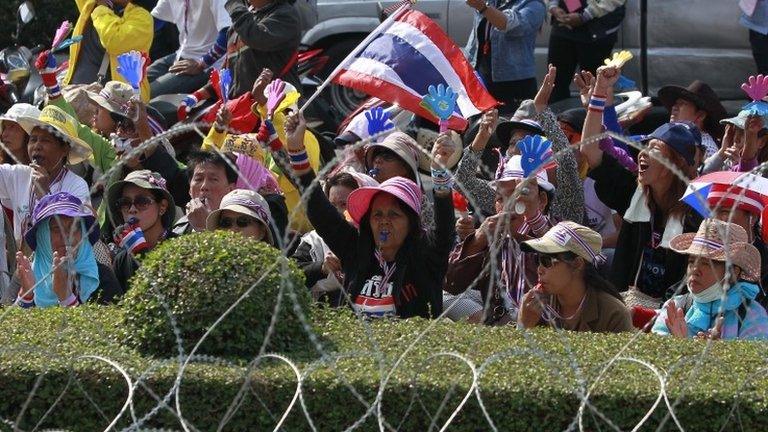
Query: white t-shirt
[[198, 32], [16, 193], [599, 216]]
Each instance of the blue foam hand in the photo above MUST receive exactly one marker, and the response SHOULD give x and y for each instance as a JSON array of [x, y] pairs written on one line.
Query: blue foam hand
[[225, 81], [441, 101], [758, 108], [625, 83], [536, 153], [131, 66], [378, 121]]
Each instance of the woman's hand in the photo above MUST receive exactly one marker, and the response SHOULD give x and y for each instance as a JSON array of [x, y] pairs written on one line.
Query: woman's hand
[[541, 101], [752, 128], [607, 76], [442, 151], [331, 264], [485, 130], [465, 226], [295, 128], [257, 92], [675, 321], [41, 180], [585, 82], [223, 118], [61, 283], [571, 20], [26, 277], [531, 308], [715, 333]]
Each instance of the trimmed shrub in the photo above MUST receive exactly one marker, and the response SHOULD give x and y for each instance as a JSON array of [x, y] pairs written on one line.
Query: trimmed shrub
[[526, 381], [196, 278]]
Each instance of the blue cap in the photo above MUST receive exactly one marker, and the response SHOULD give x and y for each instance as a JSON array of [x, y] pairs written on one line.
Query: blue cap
[[682, 137]]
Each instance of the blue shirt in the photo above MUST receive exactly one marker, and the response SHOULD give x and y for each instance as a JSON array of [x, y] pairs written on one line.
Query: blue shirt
[[759, 19], [512, 49]]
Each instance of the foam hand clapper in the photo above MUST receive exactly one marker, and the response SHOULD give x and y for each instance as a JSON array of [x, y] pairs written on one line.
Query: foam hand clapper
[[536, 154], [619, 59], [275, 96], [756, 88], [378, 121], [61, 33], [441, 102], [131, 66]]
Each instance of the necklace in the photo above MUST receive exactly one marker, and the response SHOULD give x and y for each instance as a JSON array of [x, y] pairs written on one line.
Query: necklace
[[555, 314]]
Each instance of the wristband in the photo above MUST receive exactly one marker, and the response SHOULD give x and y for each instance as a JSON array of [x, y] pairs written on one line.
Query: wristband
[[597, 103], [70, 301], [299, 160]]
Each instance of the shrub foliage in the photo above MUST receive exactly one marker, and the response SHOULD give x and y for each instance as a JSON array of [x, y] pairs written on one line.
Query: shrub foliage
[[197, 278]]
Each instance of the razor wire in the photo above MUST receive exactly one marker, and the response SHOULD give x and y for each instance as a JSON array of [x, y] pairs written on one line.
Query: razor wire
[[172, 402]]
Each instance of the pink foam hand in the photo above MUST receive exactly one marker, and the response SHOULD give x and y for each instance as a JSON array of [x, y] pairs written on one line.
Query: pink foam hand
[[756, 87], [61, 33], [275, 96]]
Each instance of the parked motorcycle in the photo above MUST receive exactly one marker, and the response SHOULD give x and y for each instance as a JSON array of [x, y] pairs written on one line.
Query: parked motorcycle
[[19, 80]]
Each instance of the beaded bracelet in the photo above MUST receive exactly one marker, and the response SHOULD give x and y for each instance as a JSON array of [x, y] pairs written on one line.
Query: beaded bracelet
[[597, 103], [442, 180]]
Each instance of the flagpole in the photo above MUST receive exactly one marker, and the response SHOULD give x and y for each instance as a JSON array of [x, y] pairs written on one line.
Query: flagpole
[[344, 63]]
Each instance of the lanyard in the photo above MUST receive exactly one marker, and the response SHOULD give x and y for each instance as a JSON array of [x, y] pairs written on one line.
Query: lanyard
[[388, 270]]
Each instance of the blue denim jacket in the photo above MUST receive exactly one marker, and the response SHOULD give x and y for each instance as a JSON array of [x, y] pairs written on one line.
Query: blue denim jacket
[[759, 19], [511, 50]]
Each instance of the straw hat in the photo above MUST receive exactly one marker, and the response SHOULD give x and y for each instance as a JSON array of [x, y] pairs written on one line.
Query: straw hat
[[113, 97], [54, 118], [721, 241]]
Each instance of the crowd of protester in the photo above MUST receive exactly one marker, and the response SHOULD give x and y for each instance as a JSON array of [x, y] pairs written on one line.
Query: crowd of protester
[[601, 241]]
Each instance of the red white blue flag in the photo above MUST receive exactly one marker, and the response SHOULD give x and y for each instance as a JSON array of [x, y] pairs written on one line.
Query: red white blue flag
[[406, 54]]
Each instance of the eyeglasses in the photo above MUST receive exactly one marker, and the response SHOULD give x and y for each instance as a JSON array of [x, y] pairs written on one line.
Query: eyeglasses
[[241, 222], [386, 156], [547, 261], [141, 203]]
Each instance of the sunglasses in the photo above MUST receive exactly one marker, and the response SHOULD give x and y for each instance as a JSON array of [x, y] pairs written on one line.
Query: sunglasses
[[547, 261], [386, 156], [240, 221], [140, 202]]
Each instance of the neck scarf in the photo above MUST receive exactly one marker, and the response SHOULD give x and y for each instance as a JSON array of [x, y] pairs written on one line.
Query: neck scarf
[[638, 211], [701, 316], [84, 267]]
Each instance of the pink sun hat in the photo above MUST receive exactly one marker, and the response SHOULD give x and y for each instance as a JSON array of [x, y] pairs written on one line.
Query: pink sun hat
[[405, 190]]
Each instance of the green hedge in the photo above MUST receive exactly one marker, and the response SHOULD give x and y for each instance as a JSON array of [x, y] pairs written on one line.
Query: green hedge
[[197, 278], [532, 388]]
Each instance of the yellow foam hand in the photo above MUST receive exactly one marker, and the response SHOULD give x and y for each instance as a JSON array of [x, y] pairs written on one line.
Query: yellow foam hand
[[619, 59]]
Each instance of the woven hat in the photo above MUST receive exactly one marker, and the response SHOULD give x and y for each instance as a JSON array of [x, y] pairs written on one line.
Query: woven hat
[[359, 201], [55, 119], [144, 179], [721, 241], [61, 204], [113, 97], [400, 144], [247, 202], [17, 111], [569, 236], [513, 170]]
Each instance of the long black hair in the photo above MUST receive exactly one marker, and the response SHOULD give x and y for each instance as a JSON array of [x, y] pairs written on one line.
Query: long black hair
[[593, 279]]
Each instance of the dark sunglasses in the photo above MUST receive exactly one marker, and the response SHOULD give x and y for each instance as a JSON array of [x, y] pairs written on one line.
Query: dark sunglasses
[[386, 156], [547, 261], [141, 202], [241, 222]]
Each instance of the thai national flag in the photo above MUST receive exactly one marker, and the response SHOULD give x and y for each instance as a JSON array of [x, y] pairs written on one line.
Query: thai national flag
[[406, 54]]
